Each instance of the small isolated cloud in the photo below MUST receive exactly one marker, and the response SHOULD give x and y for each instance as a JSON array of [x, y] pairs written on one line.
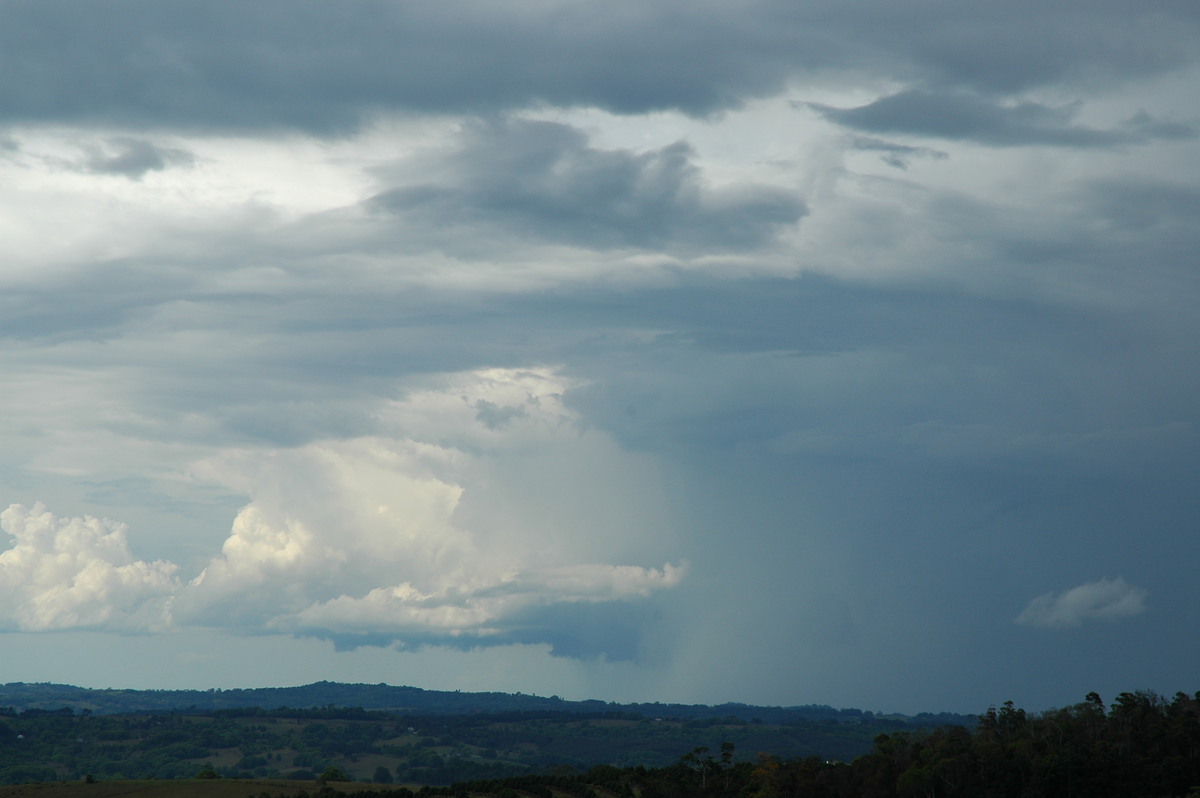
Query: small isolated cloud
[[892, 154], [972, 117], [494, 416], [78, 573], [133, 158], [1103, 600]]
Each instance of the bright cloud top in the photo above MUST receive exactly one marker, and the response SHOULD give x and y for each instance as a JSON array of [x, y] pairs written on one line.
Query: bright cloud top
[[1102, 600], [358, 540], [73, 573]]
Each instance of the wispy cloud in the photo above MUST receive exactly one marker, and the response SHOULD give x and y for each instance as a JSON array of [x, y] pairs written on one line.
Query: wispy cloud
[[134, 158], [896, 155], [973, 117], [1102, 600]]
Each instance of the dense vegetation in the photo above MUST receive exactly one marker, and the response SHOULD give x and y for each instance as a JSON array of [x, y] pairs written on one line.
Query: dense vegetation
[[1141, 745], [50, 731], [412, 700], [60, 744]]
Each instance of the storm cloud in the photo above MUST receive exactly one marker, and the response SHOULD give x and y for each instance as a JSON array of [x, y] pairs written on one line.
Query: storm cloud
[[542, 180], [308, 65], [660, 351]]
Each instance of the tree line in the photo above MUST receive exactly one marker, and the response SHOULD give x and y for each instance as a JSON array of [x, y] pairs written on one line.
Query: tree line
[[1142, 746], [300, 744]]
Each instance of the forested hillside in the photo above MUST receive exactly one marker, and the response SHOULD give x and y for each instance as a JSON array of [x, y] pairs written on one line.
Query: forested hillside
[[1142, 746], [50, 731], [50, 745], [21, 696]]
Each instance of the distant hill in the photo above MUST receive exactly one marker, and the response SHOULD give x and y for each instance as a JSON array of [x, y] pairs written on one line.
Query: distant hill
[[1143, 744], [52, 732], [20, 696]]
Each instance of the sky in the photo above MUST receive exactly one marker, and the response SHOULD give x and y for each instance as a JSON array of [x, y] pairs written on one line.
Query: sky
[[813, 352]]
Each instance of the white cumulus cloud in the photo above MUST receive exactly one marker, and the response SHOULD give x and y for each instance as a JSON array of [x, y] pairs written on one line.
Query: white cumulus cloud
[[78, 573], [1102, 600], [484, 611], [481, 513], [459, 524], [326, 519]]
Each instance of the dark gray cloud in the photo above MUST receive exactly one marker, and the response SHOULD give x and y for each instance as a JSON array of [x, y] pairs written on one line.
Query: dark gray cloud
[[115, 295], [542, 180], [313, 66], [1018, 46], [133, 158], [613, 630], [326, 68], [838, 445], [989, 397], [972, 117], [896, 155], [1142, 205], [495, 416]]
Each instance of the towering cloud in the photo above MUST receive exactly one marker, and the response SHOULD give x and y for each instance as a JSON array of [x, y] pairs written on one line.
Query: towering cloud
[[366, 540], [362, 540]]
